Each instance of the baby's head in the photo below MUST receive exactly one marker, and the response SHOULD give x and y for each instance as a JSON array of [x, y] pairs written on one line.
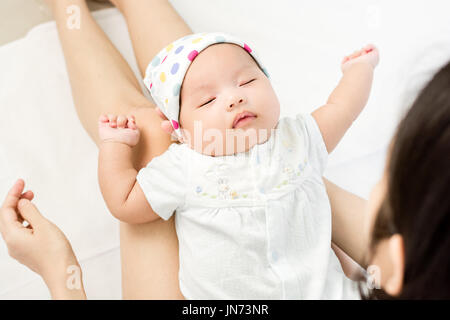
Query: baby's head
[[204, 84]]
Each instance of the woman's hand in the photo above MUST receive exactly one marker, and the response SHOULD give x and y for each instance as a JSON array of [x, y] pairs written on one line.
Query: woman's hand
[[40, 245]]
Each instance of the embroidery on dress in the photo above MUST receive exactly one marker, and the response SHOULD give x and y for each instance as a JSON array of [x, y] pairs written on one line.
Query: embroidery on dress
[[222, 189], [217, 175], [289, 173]]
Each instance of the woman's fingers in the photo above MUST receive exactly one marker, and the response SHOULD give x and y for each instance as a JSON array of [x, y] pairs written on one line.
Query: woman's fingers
[[14, 194], [11, 201], [29, 212], [28, 195]]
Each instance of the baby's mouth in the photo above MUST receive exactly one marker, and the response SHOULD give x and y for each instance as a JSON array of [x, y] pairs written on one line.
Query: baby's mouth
[[243, 119]]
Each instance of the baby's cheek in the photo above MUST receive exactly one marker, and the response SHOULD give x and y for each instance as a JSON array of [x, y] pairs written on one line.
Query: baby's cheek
[[271, 107]]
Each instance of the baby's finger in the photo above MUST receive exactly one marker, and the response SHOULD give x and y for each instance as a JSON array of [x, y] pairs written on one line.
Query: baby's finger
[[355, 54], [103, 118], [112, 120], [121, 122], [370, 47], [131, 123]]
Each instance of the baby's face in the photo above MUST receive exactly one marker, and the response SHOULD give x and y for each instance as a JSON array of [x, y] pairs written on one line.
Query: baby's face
[[222, 83]]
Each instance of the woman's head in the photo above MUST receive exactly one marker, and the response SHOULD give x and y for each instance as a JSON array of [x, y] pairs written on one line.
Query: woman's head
[[410, 206], [204, 83]]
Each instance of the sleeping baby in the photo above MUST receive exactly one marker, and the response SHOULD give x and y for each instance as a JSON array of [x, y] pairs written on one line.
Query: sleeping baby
[[253, 218]]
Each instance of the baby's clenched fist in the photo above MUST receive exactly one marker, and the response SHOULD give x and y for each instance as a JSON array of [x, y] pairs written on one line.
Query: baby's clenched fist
[[122, 129], [369, 54]]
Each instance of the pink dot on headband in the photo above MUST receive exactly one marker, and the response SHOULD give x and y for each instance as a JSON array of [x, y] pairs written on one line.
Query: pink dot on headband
[[175, 124], [246, 47], [192, 55]]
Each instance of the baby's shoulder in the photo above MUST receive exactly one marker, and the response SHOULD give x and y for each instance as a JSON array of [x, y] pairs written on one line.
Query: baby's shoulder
[[296, 122], [294, 128], [303, 132], [172, 157]]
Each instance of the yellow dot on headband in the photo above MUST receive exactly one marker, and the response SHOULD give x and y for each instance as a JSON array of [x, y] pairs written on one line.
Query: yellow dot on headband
[[162, 77], [167, 101], [169, 47], [197, 40]]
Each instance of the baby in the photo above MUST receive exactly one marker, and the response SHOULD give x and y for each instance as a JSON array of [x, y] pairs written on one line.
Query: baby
[[253, 217]]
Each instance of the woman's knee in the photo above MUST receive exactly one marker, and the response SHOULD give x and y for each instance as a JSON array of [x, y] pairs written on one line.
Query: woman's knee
[[154, 141]]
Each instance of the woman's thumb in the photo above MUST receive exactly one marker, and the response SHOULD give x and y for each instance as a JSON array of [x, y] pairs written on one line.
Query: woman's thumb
[[29, 212]]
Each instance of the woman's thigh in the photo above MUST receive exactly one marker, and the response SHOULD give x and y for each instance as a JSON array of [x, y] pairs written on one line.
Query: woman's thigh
[[102, 82], [149, 252]]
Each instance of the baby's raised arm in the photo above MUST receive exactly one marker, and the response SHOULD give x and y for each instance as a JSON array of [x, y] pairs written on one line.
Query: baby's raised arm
[[117, 176], [350, 96]]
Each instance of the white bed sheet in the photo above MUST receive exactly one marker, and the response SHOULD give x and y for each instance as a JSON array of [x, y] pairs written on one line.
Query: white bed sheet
[[302, 43]]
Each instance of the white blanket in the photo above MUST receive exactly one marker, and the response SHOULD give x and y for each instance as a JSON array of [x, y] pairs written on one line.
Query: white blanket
[[302, 43]]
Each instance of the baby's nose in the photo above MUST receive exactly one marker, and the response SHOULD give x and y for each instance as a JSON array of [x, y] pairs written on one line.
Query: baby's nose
[[232, 105]]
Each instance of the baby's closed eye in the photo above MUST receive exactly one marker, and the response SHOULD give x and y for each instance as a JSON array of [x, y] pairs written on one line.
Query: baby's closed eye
[[247, 82], [210, 100]]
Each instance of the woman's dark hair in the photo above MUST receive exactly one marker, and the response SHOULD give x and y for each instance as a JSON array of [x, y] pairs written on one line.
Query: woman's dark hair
[[417, 201]]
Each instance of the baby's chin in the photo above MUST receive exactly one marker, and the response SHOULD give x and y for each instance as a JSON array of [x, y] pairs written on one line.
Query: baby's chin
[[233, 142]]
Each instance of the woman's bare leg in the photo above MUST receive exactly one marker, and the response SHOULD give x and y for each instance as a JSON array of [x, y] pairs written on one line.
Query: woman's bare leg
[[150, 252], [102, 82], [152, 25], [100, 78]]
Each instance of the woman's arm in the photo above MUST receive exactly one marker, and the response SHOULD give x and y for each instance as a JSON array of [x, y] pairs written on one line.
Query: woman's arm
[[66, 282], [348, 231], [40, 246]]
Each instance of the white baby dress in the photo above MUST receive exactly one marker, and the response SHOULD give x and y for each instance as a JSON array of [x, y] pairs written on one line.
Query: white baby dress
[[255, 225]]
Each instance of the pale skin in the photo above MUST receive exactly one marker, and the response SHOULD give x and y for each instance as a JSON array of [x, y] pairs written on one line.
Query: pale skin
[[103, 83]]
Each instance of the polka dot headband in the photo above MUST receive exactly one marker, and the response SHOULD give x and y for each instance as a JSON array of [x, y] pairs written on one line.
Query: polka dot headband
[[165, 73]]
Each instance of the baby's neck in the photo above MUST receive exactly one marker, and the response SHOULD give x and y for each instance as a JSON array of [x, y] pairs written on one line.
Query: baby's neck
[[210, 149]]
